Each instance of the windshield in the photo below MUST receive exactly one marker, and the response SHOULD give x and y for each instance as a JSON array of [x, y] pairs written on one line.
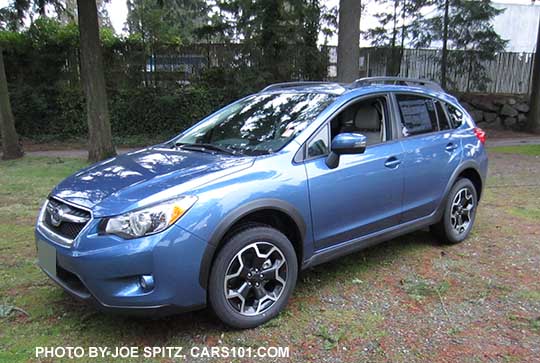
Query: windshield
[[259, 124]]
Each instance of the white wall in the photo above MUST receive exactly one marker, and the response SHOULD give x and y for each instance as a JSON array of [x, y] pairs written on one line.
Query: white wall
[[519, 25]]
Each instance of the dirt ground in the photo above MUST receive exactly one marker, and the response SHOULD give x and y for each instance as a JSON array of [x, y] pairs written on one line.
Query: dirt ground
[[408, 300]]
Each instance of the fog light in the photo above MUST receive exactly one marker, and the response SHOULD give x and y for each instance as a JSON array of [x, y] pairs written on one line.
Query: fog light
[[146, 282]]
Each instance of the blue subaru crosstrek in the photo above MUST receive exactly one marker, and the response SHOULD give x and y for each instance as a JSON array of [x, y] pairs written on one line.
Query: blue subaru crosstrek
[[228, 212]]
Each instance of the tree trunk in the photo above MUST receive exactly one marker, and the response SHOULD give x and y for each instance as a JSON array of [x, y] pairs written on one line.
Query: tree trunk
[[444, 59], [393, 69], [533, 123], [10, 140], [99, 127], [348, 52]]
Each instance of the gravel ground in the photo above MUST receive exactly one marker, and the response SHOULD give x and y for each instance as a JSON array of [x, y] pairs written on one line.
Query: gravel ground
[[408, 300]]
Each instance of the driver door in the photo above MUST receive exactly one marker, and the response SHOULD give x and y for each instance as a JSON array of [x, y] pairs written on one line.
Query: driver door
[[362, 195]]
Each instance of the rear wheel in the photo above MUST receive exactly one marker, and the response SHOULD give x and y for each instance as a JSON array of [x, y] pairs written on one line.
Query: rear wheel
[[253, 277], [459, 213]]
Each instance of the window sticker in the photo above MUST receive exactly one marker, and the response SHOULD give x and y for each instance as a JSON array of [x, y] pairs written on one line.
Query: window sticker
[[416, 118]]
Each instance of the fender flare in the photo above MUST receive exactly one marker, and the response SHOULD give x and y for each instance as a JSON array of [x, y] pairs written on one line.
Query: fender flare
[[469, 164], [237, 214]]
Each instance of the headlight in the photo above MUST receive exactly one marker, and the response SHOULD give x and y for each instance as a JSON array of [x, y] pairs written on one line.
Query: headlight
[[149, 220]]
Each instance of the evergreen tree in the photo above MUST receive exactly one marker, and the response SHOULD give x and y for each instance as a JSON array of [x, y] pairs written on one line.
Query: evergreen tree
[[396, 25], [278, 36], [165, 21], [466, 28]]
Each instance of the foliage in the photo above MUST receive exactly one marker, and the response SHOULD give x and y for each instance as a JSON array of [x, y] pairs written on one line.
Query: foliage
[[42, 63], [398, 20], [273, 30], [139, 111], [159, 111], [165, 21], [470, 30]]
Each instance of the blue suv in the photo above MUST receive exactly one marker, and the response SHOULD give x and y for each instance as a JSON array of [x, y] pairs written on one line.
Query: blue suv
[[228, 212]]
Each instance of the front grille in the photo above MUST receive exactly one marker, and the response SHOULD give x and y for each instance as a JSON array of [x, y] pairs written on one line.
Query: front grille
[[65, 220]]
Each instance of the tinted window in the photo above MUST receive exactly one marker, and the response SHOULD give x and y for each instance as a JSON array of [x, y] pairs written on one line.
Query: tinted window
[[262, 123], [457, 118], [319, 145], [441, 115], [418, 115]]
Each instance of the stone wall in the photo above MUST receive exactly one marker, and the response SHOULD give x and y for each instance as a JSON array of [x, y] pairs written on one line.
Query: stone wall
[[497, 111]]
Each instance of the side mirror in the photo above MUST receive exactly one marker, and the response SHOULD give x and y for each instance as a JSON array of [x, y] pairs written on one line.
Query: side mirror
[[345, 143]]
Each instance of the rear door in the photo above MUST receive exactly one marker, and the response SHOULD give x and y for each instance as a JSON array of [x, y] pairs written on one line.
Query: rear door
[[432, 151]]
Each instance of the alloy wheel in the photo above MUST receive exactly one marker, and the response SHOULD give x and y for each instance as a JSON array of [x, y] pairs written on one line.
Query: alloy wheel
[[255, 278], [462, 210]]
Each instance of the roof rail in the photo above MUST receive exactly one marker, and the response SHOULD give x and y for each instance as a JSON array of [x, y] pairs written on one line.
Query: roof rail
[[398, 80], [294, 84]]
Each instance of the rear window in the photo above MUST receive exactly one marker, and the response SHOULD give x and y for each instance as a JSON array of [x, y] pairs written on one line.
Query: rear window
[[418, 115]]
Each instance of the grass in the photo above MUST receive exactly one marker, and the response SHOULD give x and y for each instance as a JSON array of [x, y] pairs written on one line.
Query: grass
[[533, 150], [419, 288], [403, 300], [532, 295], [530, 213]]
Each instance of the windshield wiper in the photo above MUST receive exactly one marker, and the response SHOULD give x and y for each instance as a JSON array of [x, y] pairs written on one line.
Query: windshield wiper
[[206, 147]]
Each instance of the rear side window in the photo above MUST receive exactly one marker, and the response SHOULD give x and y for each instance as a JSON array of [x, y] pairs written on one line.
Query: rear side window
[[457, 118], [444, 123], [418, 115]]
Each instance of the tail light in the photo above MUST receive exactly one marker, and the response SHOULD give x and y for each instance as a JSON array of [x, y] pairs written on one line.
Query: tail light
[[480, 134]]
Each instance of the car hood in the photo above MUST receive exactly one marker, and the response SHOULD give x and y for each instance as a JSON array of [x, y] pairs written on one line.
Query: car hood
[[144, 177]]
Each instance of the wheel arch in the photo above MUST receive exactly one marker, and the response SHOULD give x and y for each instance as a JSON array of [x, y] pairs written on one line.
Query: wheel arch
[[273, 212], [474, 176]]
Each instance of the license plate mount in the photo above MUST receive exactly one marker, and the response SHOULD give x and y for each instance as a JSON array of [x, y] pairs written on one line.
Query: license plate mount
[[46, 257]]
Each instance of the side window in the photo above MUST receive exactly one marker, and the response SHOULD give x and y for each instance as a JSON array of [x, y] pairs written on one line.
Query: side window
[[457, 118], [367, 117], [418, 115], [444, 123], [319, 144]]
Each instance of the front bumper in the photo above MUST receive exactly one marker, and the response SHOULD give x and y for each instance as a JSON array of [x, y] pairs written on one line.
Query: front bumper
[[105, 270]]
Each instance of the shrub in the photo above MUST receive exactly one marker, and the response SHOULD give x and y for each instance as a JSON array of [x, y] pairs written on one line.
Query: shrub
[[60, 110]]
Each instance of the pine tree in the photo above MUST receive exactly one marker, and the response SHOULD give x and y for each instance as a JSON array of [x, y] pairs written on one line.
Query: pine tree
[[464, 27], [278, 37], [401, 19]]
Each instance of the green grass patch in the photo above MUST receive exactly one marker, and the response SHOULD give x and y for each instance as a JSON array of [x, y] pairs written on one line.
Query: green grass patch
[[419, 288], [517, 149], [532, 295], [525, 212]]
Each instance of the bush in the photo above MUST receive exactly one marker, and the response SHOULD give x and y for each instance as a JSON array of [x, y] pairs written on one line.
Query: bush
[[60, 110], [158, 111]]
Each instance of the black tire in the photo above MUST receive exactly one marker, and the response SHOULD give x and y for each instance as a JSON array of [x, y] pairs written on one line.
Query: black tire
[[242, 242], [446, 229]]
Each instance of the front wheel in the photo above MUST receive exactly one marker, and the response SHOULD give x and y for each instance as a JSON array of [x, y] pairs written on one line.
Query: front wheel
[[253, 277], [459, 213]]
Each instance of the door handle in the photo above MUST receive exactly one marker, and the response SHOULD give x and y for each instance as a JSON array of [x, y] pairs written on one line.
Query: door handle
[[392, 162], [451, 147]]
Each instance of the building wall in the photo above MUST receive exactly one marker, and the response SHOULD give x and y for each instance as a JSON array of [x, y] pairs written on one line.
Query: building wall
[[519, 25]]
